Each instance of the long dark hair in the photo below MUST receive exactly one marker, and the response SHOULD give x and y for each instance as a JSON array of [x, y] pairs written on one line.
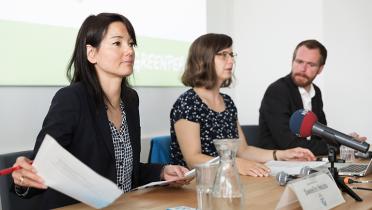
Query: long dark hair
[[91, 32]]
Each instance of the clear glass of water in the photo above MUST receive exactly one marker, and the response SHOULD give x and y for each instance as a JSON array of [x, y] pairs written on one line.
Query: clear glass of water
[[347, 153], [205, 175]]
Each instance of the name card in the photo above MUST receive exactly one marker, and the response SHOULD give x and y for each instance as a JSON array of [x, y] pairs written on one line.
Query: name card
[[315, 191]]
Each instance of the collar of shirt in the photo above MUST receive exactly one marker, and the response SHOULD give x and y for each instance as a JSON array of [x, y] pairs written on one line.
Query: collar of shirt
[[306, 96]]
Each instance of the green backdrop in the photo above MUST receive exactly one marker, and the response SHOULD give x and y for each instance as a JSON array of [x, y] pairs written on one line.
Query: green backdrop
[[37, 55]]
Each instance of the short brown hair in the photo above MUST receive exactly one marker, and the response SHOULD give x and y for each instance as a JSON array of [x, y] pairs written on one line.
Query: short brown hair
[[313, 44], [200, 69]]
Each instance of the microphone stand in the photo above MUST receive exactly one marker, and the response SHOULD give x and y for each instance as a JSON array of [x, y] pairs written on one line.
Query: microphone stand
[[341, 185]]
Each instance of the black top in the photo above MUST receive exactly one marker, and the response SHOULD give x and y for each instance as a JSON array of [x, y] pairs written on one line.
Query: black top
[[213, 125], [81, 126], [282, 98]]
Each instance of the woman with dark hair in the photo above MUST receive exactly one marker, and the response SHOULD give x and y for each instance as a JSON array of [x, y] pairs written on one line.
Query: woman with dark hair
[[96, 117], [203, 114]]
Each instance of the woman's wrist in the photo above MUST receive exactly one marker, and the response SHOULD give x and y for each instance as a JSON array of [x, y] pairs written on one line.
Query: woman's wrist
[[162, 172], [275, 157], [278, 154]]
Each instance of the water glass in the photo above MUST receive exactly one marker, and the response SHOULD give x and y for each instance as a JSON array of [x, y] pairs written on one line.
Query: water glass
[[205, 175], [347, 153]]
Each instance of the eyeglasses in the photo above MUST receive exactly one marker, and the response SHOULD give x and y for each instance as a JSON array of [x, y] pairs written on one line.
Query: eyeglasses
[[225, 55]]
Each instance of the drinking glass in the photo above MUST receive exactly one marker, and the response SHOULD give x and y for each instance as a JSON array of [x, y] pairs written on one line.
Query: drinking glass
[[205, 176], [347, 153]]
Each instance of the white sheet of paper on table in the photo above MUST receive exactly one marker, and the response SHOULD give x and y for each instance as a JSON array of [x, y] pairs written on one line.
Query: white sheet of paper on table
[[188, 175], [291, 167], [163, 183], [66, 174]]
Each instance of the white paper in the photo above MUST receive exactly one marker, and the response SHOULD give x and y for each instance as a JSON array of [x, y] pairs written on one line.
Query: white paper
[[66, 174], [315, 191], [192, 172], [288, 197], [153, 184], [291, 167], [188, 175]]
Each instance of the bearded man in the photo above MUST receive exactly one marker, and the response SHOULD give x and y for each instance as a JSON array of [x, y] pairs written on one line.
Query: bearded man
[[290, 93]]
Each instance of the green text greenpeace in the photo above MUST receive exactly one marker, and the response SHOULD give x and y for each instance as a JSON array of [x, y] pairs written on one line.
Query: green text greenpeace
[[37, 55]]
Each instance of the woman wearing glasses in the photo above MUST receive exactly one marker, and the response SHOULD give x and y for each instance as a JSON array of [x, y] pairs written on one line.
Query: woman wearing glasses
[[203, 114]]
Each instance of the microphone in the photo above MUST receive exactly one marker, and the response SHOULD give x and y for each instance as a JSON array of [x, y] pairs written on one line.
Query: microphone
[[282, 178], [305, 123]]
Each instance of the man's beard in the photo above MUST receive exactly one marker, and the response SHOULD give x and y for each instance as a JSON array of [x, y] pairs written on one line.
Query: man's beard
[[299, 80]]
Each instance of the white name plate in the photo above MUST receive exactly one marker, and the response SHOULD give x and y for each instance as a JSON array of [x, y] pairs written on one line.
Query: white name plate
[[315, 191]]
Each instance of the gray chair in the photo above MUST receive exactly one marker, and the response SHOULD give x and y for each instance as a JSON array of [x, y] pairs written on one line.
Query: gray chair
[[251, 133], [9, 199]]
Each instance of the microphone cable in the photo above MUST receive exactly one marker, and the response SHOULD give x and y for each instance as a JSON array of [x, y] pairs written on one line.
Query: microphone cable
[[361, 188]]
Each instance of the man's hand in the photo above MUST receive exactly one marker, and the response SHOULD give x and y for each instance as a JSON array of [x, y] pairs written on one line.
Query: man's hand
[[358, 137]]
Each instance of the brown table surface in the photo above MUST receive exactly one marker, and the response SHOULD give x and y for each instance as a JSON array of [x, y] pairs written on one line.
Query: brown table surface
[[260, 193]]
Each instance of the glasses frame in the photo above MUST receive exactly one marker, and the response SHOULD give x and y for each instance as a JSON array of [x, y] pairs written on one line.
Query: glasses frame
[[225, 54]]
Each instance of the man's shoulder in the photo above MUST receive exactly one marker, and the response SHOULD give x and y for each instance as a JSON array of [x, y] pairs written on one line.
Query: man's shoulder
[[316, 88], [280, 85]]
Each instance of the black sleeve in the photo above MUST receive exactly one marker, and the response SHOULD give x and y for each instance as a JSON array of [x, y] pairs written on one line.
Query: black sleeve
[[144, 173], [149, 173], [317, 104], [62, 118], [60, 121], [276, 110]]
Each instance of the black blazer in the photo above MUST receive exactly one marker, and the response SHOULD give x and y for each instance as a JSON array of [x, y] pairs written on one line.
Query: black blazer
[[81, 126], [282, 98]]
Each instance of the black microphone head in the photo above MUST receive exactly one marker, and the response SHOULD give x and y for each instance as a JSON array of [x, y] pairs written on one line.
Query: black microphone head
[[301, 122], [282, 178]]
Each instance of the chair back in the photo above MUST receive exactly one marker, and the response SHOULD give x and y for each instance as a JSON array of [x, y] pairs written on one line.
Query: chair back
[[159, 150], [9, 199], [251, 133]]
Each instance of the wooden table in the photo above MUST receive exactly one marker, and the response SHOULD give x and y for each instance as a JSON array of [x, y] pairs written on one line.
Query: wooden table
[[260, 193]]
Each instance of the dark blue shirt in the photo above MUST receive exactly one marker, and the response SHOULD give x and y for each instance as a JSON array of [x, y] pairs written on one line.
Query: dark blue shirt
[[213, 125]]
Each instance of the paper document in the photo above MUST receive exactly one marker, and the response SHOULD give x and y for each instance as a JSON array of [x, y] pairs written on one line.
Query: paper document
[[192, 172], [153, 184], [66, 174], [188, 175], [291, 167]]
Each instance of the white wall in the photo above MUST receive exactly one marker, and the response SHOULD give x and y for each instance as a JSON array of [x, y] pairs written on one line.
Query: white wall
[[348, 31], [22, 110], [265, 33]]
